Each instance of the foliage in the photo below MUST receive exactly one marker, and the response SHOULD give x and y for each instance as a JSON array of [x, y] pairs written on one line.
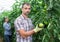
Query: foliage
[[41, 10]]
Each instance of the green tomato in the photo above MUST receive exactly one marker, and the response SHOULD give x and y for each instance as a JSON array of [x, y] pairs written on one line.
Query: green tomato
[[45, 24], [44, 10], [41, 2], [40, 25], [45, 7]]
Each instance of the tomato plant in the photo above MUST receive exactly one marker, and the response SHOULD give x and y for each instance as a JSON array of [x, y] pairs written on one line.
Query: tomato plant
[[41, 11]]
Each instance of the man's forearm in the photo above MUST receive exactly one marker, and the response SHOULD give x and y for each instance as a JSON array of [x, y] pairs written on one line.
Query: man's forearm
[[28, 33], [25, 34]]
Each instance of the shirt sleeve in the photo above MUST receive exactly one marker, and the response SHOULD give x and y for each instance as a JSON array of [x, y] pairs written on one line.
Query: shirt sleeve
[[18, 25]]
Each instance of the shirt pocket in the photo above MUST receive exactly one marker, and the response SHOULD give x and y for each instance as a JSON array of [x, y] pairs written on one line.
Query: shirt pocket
[[30, 25], [25, 25]]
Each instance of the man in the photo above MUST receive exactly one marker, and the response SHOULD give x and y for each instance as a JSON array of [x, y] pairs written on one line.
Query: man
[[7, 30], [23, 25]]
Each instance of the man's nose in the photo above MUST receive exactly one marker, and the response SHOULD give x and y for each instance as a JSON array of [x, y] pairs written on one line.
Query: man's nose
[[28, 10]]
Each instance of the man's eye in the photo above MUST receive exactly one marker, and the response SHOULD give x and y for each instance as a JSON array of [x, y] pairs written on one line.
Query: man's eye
[[29, 8], [25, 8]]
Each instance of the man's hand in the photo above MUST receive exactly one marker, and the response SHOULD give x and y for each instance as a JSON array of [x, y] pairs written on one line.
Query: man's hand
[[37, 29]]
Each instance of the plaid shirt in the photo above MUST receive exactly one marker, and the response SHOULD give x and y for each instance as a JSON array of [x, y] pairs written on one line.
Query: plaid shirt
[[23, 23]]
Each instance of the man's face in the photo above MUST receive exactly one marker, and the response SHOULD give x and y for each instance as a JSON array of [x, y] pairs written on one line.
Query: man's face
[[26, 9], [6, 19]]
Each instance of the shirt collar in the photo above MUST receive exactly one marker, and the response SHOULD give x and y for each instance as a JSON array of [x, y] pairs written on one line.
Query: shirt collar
[[24, 17]]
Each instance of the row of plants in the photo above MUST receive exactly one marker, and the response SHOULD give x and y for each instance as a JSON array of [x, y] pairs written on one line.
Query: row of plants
[[41, 11]]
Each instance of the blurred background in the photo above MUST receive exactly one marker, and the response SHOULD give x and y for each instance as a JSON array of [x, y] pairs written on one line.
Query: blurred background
[[41, 10]]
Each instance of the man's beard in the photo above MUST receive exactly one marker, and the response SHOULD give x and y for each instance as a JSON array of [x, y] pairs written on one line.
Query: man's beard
[[26, 13]]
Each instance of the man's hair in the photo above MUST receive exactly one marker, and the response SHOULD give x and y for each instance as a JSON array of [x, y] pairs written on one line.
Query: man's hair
[[25, 4]]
